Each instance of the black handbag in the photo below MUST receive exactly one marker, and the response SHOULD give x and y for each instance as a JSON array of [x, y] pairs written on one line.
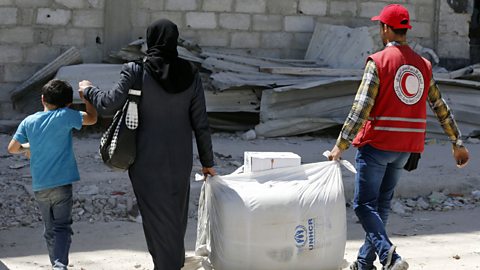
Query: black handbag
[[118, 145], [412, 161]]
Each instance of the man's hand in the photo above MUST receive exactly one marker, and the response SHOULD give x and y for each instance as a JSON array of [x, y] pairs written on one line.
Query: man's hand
[[461, 156], [335, 154], [208, 171], [82, 86]]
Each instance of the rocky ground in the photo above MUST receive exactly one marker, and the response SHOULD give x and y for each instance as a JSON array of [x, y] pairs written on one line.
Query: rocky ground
[[104, 205]]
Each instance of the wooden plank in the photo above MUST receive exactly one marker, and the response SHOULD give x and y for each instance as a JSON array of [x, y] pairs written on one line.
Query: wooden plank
[[261, 61], [292, 126], [227, 80], [217, 65], [239, 100], [308, 71]]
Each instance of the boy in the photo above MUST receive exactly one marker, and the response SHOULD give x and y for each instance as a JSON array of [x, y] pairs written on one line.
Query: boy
[[46, 137]]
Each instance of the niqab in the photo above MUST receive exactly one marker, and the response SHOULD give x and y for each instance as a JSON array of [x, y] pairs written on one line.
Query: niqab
[[174, 74]]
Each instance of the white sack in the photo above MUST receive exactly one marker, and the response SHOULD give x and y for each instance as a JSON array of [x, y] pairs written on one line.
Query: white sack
[[286, 218]]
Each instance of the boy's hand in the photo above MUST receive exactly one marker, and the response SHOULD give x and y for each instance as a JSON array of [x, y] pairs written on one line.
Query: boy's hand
[[82, 86]]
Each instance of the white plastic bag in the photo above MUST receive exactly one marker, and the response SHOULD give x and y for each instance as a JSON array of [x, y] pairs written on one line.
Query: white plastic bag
[[286, 218]]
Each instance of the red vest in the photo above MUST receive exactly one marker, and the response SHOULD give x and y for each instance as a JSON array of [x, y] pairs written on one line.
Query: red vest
[[398, 119]]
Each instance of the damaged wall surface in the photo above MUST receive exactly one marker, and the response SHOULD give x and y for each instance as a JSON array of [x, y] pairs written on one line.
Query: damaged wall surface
[[35, 32]]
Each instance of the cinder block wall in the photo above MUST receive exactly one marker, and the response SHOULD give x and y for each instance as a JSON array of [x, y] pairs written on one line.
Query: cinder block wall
[[33, 32]]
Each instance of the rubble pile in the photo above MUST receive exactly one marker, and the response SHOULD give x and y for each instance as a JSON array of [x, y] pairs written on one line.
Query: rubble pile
[[436, 201]]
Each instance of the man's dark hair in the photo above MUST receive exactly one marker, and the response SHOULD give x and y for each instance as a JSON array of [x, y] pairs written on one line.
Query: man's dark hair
[[398, 31], [58, 93]]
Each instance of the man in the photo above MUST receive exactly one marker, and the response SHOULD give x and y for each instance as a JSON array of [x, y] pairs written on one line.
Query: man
[[387, 122]]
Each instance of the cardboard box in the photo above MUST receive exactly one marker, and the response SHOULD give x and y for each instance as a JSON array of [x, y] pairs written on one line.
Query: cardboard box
[[260, 161]]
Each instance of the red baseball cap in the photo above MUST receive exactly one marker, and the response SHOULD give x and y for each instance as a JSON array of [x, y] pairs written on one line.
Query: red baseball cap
[[395, 16]]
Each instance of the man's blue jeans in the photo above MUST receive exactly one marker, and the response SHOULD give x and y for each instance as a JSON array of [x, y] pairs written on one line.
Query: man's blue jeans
[[55, 205], [377, 175]]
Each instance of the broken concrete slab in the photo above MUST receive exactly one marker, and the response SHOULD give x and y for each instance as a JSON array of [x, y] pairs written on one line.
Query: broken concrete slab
[[26, 96], [104, 76]]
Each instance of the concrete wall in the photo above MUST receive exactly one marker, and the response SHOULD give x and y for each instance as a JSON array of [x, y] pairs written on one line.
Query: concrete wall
[[33, 32]]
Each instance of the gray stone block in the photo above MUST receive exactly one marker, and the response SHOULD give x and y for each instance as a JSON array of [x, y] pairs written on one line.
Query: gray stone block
[[201, 20], [100, 4], [245, 40], [6, 2], [313, 7], [152, 4], [453, 47], [72, 3], [53, 16], [43, 36], [32, 3], [234, 21], [174, 16], [455, 23], [426, 14], [91, 36], [10, 54], [284, 7], [88, 18], [5, 89], [292, 53], [181, 5], [92, 54], [301, 41], [214, 38], [8, 15], [370, 9], [217, 5], [277, 40], [421, 30], [26, 16], [250, 6], [299, 24], [22, 35], [270, 53], [267, 22], [341, 8], [41, 54], [71, 36], [140, 18], [19, 72]]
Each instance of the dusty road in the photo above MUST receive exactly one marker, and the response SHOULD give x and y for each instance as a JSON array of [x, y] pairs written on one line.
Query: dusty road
[[447, 240]]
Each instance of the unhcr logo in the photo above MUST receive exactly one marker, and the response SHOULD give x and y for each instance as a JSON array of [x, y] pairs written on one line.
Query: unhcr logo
[[300, 236], [305, 236]]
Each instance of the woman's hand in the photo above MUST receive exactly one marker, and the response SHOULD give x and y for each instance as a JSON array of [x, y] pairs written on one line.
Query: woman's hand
[[208, 171]]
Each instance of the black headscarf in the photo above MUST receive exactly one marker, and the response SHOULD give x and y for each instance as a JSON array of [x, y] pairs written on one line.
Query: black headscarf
[[162, 63]]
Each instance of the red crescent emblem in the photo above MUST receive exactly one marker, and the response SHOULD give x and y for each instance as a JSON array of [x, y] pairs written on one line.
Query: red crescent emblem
[[404, 85]]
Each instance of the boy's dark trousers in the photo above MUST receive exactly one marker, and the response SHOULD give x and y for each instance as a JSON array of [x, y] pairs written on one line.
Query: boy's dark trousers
[[55, 205]]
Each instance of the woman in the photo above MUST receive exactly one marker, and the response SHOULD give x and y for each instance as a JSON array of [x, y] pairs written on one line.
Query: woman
[[172, 105]]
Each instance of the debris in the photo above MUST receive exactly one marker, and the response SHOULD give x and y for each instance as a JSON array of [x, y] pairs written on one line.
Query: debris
[[249, 135], [476, 194], [26, 96], [18, 166], [437, 198], [88, 190]]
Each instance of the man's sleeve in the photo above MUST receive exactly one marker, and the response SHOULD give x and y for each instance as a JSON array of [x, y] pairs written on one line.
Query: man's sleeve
[[362, 105], [443, 113]]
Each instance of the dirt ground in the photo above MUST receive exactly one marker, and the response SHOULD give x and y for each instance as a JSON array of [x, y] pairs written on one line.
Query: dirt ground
[[426, 239]]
